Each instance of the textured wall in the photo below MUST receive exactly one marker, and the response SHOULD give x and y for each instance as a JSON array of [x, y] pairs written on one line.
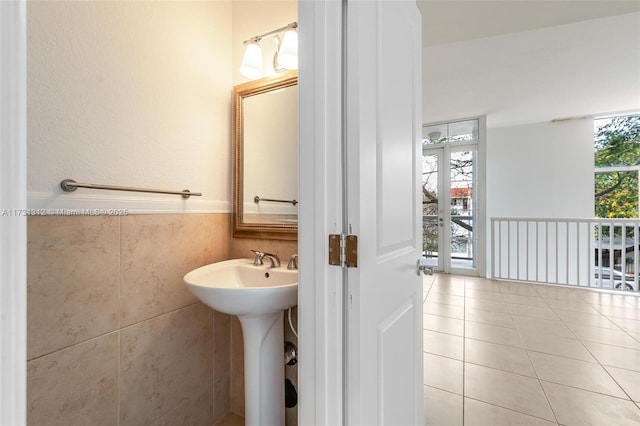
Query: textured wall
[[130, 93], [114, 336]]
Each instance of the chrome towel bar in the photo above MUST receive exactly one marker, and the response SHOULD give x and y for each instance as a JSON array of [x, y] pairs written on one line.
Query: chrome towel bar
[[257, 199], [70, 185]]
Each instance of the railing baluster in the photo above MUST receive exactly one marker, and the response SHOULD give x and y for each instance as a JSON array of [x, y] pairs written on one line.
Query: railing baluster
[[546, 243], [557, 255], [578, 253], [566, 242], [600, 236], [517, 250], [635, 257], [508, 250], [537, 250], [527, 251], [493, 249], [500, 248], [612, 230], [623, 255], [591, 232]]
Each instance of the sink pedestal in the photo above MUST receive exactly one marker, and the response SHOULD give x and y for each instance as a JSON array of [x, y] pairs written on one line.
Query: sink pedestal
[[263, 337], [258, 296]]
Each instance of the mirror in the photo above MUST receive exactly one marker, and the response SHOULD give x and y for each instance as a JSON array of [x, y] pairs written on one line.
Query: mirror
[[265, 135]]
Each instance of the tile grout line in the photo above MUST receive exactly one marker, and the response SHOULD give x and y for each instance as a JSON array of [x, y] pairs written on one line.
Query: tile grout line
[[119, 366], [604, 367], [117, 330], [512, 410], [546, 397], [510, 314], [597, 360], [464, 346], [544, 392], [586, 390], [545, 303]]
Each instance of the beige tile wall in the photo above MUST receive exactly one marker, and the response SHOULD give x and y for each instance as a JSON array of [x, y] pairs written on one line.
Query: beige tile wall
[[114, 337]]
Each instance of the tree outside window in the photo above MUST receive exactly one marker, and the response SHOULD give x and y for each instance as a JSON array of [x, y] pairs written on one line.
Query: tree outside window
[[617, 162]]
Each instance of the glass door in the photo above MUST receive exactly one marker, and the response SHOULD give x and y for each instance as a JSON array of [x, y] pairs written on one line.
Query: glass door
[[432, 218], [463, 212], [450, 202]]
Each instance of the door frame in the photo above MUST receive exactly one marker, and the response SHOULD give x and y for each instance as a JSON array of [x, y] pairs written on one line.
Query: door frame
[[320, 298], [13, 221], [443, 200], [320, 211]]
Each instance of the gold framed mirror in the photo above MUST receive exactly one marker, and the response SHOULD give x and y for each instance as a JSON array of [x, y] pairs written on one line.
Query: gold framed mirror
[[265, 148]]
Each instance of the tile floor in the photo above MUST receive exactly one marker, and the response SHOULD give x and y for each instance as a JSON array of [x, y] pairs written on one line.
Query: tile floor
[[501, 353]]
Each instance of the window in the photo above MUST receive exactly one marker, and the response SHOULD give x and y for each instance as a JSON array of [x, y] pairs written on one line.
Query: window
[[617, 163], [457, 131]]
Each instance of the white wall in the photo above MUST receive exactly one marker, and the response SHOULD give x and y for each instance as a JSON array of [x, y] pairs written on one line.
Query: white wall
[[130, 93], [541, 170]]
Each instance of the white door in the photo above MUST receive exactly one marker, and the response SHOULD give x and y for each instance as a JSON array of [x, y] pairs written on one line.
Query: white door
[[384, 318]]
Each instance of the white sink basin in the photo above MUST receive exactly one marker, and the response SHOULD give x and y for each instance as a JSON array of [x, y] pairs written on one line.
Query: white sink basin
[[237, 287], [258, 295]]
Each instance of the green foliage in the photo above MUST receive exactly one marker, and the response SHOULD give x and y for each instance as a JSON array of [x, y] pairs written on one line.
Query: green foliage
[[617, 143]]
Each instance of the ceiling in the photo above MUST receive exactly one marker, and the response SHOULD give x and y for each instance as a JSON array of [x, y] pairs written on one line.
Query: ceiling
[[529, 61], [457, 20]]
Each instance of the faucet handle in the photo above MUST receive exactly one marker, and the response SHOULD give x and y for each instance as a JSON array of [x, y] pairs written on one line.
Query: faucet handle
[[257, 261], [293, 262]]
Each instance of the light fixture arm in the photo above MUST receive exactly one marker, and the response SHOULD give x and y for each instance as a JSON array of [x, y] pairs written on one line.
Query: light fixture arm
[[257, 38]]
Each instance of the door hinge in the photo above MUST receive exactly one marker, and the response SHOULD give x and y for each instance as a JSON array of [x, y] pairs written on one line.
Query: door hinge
[[343, 250]]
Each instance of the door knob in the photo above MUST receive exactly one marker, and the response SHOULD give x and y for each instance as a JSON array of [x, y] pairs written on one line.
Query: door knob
[[421, 266]]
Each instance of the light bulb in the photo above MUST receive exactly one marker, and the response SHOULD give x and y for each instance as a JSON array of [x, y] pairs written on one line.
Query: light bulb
[[288, 53], [251, 66]]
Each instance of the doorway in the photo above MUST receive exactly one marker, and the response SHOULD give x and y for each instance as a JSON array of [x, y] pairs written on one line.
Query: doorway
[[452, 207]]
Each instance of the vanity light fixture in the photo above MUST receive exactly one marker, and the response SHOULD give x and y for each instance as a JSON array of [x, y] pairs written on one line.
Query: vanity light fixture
[[251, 66], [286, 56]]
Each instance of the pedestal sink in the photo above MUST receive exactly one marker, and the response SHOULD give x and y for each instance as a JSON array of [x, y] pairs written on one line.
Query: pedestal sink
[[258, 295]]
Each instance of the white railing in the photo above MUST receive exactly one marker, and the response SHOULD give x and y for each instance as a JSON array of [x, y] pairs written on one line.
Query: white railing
[[573, 252]]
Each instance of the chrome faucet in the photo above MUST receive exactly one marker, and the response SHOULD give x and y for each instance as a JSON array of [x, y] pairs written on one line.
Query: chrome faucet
[[259, 256], [275, 260], [293, 262]]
